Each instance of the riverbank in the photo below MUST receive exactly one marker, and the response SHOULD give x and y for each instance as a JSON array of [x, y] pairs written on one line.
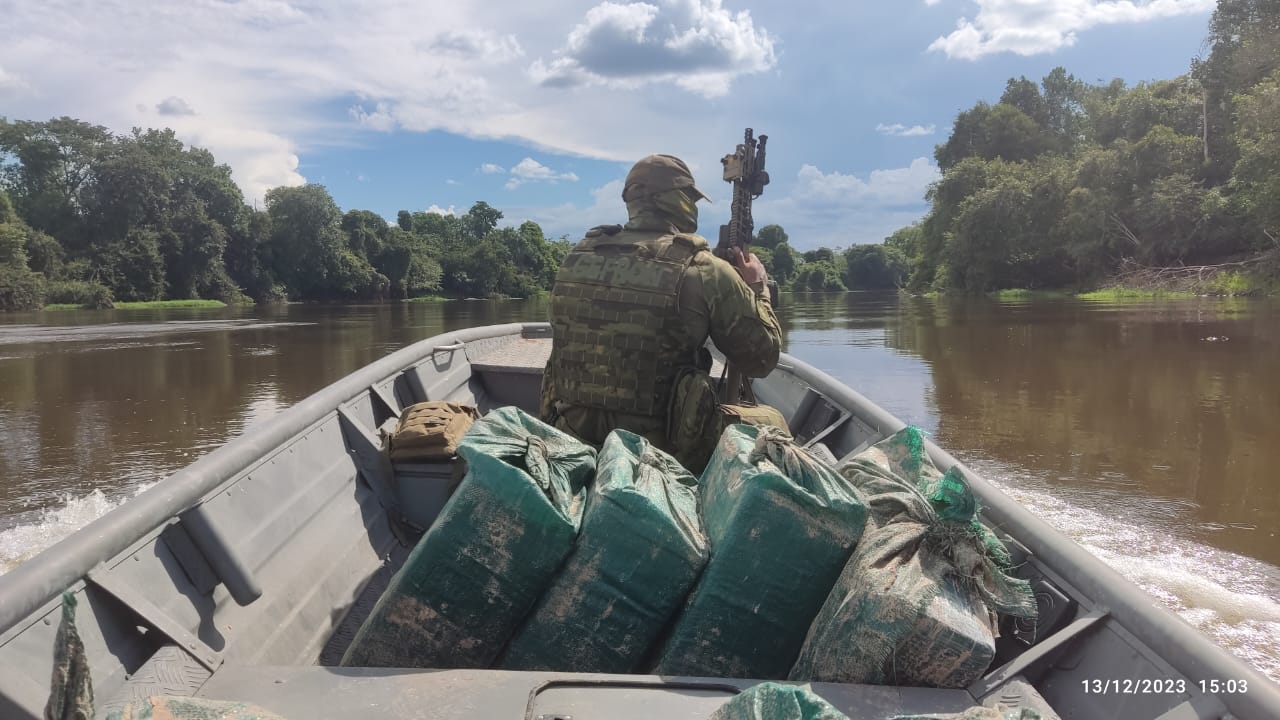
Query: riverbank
[[144, 305], [1231, 283]]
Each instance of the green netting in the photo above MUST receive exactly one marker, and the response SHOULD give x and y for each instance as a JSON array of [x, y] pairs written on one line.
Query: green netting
[[175, 708], [71, 689], [639, 553], [771, 701], [781, 526], [491, 553], [978, 713], [914, 605]]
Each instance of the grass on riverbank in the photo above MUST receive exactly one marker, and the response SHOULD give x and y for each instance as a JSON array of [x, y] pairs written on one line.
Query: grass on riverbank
[[145, 305], [1028, 294], [1113, 294], [427, 299]]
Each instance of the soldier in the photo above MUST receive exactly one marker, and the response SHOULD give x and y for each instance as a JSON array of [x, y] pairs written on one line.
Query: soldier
[[631, 311]]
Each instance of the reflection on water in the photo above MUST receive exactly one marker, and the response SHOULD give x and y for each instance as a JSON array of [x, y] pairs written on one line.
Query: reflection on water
[[1140, 430]]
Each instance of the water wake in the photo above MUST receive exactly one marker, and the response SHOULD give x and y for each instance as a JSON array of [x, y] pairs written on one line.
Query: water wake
[[1234, 600], [31, 536]]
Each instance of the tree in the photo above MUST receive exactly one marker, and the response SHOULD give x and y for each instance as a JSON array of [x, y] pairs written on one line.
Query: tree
[[875, 267], [784, 263], [480, 220], [818, 276], [822, 254], [1001, 131], [1025, 96], [1257, 173], [907, 241], [247, 256], [366, 231], [131, 266], [308, 249], [771, 236], [52, 163]]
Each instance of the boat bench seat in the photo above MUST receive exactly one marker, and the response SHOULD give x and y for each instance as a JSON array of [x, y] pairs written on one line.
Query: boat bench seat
[[512, 372], [530, 356]]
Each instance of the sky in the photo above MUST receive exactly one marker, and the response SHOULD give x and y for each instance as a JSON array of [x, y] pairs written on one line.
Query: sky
[[540, 107]]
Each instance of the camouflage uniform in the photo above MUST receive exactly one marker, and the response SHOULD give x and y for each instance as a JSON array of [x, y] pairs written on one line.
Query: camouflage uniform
[[632, 309]]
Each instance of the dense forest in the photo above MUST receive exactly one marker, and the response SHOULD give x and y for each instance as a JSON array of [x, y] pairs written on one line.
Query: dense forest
[[1069, 185], [91, 218]]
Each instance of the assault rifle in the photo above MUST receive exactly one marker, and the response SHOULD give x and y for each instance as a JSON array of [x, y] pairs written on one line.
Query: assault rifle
[[744, 168]]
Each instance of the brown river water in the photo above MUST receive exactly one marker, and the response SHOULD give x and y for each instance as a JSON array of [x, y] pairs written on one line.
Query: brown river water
[[1147, 432]]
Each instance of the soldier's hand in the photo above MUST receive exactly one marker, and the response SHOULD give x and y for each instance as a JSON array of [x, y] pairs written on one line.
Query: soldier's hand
[[751, 270]]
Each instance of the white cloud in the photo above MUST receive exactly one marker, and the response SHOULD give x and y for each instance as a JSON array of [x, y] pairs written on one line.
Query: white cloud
[[10, 81], [451, 210], [896, 187], [362, 178], [174, 105], [1031, 27], [379, 119], [838, 209], [697, 44], [451, 181], [530, 170], [491, 169], [474, 44], [900, 130], [265, 75], [570, 219]]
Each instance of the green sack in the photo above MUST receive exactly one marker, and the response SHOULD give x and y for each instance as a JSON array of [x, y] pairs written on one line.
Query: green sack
[[771, 701], [639, 553], [781, 525], [489, 555], [914, 605]]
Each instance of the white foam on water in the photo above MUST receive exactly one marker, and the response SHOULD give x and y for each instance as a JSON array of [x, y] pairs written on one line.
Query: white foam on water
[[1233, 599], [28, 539]]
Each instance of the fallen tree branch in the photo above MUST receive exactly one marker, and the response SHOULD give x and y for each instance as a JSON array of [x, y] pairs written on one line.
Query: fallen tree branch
[[1125, 229], [1186, 277]]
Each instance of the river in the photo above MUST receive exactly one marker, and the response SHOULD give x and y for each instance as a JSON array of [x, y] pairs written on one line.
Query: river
[[1147, 432]]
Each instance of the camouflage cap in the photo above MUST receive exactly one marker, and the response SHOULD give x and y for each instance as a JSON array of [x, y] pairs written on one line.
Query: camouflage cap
[[658, 173]]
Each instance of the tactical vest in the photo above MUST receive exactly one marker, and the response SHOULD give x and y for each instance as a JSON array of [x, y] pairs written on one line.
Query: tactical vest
[[619, 339]]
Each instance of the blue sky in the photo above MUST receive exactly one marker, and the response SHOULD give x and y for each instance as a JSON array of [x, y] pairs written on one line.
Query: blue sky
[[539, 108]]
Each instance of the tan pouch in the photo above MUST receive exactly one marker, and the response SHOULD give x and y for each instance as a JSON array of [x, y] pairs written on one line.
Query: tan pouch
[[753, 414], [431, 430]]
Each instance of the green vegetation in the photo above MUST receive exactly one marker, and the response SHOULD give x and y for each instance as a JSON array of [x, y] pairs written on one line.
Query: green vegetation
[[1115, 294], [143, 305], [79, 294], [157, 304], [89, 218], [1007, 295], [1166, 186]]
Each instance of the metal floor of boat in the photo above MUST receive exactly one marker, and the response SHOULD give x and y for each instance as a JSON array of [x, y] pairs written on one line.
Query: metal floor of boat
[[331, 655]]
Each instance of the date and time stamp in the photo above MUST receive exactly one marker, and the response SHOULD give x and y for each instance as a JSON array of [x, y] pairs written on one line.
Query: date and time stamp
[[1150, 686]]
